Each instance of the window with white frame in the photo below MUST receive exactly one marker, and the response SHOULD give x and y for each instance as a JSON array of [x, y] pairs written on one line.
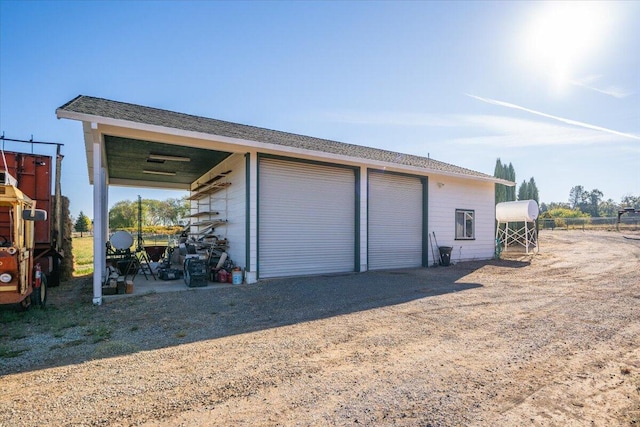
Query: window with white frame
[[465, 224]]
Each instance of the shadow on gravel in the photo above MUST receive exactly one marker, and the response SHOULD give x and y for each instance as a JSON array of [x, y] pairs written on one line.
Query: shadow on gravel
[[75, 331]]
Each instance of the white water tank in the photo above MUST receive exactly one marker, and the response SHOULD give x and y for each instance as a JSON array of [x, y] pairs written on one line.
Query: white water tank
[[520, 211]]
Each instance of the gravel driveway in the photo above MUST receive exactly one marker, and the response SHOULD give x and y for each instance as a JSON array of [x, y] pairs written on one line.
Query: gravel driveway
[[552, 339]]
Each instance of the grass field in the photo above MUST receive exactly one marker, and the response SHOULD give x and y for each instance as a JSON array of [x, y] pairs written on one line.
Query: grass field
[[83, 251], [82, 255]]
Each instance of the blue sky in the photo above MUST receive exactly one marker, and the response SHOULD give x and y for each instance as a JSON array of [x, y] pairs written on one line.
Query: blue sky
[[553, 88]]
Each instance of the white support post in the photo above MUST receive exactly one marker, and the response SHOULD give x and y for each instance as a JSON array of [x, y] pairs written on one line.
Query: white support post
[[506, 236], [524, 236], [251, 274], [99, 242], [364, 196]]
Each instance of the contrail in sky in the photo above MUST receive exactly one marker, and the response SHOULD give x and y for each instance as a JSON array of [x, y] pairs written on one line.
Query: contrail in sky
[[561, 119]]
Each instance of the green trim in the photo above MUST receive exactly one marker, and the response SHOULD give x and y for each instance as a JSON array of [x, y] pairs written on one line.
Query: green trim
[[247, 230], [425, 221], [386, 172], [307, 161], [258, 216], [368, 210], [357, 197]]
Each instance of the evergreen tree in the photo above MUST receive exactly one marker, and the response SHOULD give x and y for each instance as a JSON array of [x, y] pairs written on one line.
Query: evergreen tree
[[529, 191], [511, 176], [83, 224], [523, 191], [533, 191], [501, 190]]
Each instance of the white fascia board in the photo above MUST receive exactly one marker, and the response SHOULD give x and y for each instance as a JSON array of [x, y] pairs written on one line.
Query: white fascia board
[[91, 136], [88, 148], [273, 148]]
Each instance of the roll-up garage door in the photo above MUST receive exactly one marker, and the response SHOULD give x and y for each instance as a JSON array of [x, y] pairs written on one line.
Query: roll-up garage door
[[395, 221], [306, 218]]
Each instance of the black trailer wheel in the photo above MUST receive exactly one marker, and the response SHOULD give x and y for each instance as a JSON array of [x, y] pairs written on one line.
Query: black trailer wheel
[[39, 295]]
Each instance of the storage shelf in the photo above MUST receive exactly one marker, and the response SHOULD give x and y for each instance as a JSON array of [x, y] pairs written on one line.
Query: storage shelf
[[211, 181], [209, 226], [210, 223], [199, 214], [208, 190]]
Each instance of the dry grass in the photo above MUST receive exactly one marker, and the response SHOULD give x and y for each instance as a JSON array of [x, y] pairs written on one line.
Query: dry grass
[[82, 255]]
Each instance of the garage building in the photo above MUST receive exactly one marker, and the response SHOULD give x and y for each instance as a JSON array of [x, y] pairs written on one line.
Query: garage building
[[288, 204]]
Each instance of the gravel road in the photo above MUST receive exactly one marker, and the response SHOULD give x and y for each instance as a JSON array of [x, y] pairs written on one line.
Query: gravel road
[[548, 340]]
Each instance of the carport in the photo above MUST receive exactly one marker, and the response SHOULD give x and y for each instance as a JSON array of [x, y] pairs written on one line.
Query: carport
[[127, 148]]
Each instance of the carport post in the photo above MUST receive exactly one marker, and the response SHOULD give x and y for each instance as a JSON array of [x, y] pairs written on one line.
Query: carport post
[[99, 225]]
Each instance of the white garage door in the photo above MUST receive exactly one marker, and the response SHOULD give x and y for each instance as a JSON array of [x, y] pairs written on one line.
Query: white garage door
[[306, 219], [395, 221]]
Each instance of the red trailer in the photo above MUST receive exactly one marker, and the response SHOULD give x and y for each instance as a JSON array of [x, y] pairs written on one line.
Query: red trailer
[[33, 176]]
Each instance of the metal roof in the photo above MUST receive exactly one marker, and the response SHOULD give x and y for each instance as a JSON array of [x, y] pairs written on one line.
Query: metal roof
[[93, 109]]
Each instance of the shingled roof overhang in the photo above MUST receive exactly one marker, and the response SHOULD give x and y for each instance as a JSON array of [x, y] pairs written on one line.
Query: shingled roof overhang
[[126, 155]]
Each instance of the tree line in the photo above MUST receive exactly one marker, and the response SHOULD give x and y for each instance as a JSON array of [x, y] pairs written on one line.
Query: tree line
[[124, 214], [589, 204], [581, 203]]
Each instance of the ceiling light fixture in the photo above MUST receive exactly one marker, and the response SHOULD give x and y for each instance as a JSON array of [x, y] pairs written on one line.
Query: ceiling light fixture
[[158, 172], [169, 158]]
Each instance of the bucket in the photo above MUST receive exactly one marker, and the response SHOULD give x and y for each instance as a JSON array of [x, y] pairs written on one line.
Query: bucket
[[445, 255], [236, 277], [129, 287]]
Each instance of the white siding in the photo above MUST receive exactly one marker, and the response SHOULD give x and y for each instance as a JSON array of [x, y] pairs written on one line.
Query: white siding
[[306, 219], [395, 221], [231, 204], [320, 201], [448, 194]]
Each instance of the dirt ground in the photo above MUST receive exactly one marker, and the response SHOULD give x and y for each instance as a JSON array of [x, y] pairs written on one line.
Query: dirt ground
[[545, 340]]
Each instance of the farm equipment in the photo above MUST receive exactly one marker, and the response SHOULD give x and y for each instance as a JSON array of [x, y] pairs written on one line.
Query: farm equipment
[[30, 226], [20, 280]]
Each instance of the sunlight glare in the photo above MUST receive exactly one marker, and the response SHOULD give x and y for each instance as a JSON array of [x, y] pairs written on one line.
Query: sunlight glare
[[562, 36]]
